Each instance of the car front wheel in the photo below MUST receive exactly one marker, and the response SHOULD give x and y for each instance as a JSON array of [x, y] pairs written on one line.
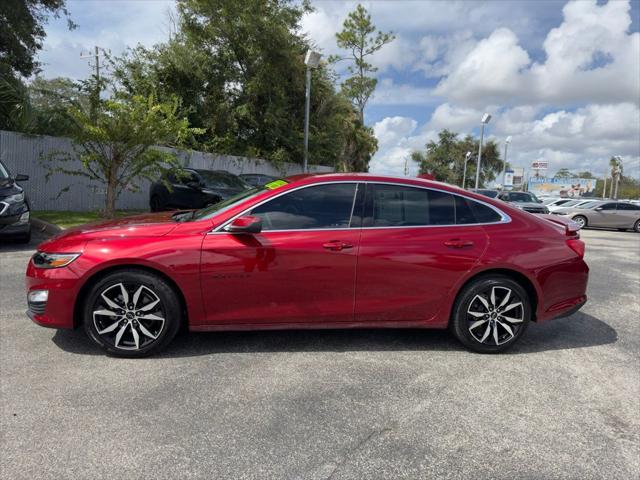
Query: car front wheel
[[490, 314], [132, 313], [636, 226]]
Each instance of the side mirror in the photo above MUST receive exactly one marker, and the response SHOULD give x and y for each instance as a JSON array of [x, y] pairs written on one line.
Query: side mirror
[[539, 201], [194, 185], [21, 178], [245, 224], [598, 209]]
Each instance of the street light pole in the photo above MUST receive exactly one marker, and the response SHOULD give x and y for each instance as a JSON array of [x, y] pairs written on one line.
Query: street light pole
[[618, 173], [311, 60], [464, 171], [485, 119], [504, 161]]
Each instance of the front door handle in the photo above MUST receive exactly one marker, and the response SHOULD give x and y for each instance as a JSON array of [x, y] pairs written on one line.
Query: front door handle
[[457, 243], [336, 245]]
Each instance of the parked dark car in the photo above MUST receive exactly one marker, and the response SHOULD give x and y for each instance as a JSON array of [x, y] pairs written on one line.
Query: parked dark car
[[257, 179], [14, 207], [526, 201], [195, 188]]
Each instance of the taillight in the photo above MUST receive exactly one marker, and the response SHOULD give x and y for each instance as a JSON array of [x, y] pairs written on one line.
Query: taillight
[[577, 246]]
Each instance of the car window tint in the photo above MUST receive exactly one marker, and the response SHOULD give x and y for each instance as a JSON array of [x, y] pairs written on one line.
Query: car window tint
[[469, 211], [628, 206], [320, 206], [398, 206], [609, 206]]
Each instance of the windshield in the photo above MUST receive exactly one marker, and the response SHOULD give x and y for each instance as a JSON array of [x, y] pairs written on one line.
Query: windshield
[[221, 180], [571, 203], [520, 197], [3, 172], [220, 207]]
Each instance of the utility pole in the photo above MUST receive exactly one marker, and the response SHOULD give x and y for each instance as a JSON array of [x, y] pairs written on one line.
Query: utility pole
[[464, 171], [406, 166], [311, 60], [604, 190], [96, 56]]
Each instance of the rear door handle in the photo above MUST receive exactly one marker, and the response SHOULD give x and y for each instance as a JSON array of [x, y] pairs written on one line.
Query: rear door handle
[[457, 243], [336, 245]]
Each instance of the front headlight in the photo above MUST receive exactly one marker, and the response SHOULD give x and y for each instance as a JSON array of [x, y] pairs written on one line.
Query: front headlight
[[53, 260], [17, 198]]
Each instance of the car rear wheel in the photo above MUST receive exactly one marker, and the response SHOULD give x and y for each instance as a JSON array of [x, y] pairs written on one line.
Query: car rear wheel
[[490, 314], [580, 220], [636, 226], [132, 313]]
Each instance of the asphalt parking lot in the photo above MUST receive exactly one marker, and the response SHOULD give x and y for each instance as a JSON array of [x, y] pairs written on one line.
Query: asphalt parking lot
[[564, 403]]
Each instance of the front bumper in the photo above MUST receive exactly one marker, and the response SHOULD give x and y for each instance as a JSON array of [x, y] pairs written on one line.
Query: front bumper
[[62, 285], [15, 220]]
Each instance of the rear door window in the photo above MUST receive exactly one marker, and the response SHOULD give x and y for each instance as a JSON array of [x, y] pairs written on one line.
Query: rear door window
[[404, 206], [469, 211]]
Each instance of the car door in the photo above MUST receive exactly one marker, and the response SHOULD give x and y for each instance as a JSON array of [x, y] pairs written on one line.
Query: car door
[[603, 216], [299, 269], [628, 214], [412, 252]]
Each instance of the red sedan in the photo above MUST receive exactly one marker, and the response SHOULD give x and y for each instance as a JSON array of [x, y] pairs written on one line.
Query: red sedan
[[313, 251]]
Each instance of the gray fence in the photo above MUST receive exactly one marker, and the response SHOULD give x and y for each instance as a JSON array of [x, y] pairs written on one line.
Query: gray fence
[[26, 153]]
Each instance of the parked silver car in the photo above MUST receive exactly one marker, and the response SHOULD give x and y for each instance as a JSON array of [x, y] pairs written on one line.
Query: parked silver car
[[605, 213]]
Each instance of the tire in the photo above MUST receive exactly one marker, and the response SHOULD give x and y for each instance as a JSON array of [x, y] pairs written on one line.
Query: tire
[[474, 309], [636, 226], [26, 238], [154, 319], [580, 220], [155, 205]]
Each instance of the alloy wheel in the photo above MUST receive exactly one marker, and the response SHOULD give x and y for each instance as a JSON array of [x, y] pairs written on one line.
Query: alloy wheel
[[495, 316], [580, 221], [128, 316]]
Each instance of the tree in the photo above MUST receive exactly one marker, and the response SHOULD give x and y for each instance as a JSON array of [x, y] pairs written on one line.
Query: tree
[[51, 100], [616, 172], [116, 143], [21, 36], [564, 173], [445, 158], [22, 33], [239, 72], [586, 174], [357, 36]]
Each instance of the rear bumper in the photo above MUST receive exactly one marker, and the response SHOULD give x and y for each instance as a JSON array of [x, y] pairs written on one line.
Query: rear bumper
[[565, 309]]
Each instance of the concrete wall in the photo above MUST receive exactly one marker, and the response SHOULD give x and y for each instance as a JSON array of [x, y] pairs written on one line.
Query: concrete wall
[[27, 154]]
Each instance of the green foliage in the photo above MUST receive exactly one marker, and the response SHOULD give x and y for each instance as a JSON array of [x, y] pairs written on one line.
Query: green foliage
[[628, 188], [22, 33], [445, 159], [359, 38], [16, 112], [238, 69], [116, 143]]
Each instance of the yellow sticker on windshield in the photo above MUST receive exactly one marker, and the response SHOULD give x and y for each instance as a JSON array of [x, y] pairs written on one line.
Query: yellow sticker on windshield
[[275, 184]]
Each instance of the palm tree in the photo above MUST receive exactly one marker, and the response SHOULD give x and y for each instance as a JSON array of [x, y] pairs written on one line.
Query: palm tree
[[616, 172]]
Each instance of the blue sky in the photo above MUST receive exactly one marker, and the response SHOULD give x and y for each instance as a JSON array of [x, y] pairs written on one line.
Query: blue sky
[[562, 78]]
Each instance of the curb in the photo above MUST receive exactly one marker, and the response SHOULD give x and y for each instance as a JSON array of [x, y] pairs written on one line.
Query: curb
[[46, 228]]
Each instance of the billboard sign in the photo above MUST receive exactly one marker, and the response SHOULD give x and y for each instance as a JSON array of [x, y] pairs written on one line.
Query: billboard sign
[[562, 187], [508, 179], [540, 165]]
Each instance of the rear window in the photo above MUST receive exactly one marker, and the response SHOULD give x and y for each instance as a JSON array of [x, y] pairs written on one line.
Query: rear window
[[469, 211]]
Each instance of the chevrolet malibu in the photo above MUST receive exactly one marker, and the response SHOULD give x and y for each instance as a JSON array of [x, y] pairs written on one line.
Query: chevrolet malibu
[[313, 251]]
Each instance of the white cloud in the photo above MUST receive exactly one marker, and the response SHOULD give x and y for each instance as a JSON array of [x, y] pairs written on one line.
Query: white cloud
[[590, 58], [390, 93]]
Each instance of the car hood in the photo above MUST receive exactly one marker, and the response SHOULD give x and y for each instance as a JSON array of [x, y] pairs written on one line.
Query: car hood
[[569, 210], [145, 225]]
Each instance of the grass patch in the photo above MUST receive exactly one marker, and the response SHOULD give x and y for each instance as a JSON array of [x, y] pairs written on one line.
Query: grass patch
[[65, 219]]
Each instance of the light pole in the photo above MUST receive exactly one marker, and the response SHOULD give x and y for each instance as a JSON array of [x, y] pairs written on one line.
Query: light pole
[[311, 60], [464, 171], [504, 162], [485, 119]]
